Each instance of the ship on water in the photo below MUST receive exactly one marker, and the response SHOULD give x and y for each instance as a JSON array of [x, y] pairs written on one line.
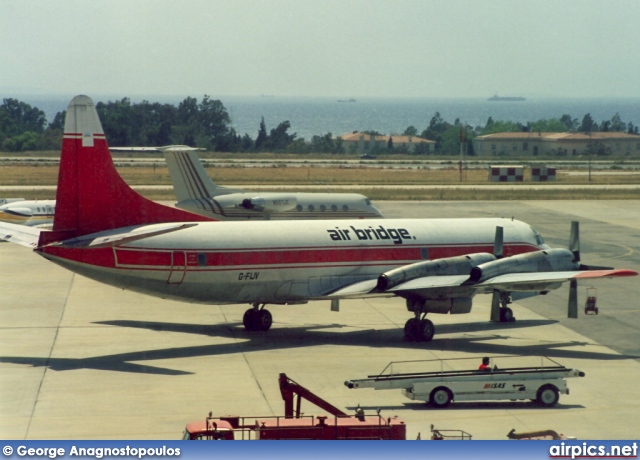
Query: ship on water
[[495, 97], [346, 100]]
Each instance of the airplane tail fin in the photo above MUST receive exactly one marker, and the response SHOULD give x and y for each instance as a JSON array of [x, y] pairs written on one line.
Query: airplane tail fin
[[91, 195], [190, 179]]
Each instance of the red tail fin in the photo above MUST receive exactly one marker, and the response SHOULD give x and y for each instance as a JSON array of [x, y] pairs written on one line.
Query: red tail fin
[[91, 196]]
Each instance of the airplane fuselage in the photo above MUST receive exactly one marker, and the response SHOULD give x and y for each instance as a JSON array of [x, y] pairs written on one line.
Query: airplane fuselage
[[283, 262], [282, 206], [28, 212]]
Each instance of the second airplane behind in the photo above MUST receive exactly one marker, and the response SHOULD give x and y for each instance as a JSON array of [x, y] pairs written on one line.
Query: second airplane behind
[[197, 193]]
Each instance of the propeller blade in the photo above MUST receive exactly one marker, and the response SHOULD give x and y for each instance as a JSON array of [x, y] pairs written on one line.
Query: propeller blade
[[574, 240], [495, 307], [573, 299], [498, 244]]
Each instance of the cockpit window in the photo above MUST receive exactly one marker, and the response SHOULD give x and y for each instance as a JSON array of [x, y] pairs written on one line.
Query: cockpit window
[[538, 237]]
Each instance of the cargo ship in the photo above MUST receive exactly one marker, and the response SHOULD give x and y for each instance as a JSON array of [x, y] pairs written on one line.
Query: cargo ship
[[495, 97]]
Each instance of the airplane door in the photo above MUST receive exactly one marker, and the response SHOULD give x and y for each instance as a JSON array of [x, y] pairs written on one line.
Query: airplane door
[[178, 267]]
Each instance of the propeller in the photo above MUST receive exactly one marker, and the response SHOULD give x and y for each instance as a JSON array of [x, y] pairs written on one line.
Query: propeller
[[572, 311], [574, 246], [498, 243], [498, 251], [574, 240]]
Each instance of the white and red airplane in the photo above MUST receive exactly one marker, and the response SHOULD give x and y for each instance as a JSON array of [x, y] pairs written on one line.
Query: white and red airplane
[[437, 265], [28, 212], [196, 192]]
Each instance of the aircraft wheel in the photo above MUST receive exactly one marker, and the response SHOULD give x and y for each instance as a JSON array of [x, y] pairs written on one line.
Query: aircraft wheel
[[440, 397], [263, 320], [249, 319], [427, 330], [548, 396], [410, 328], [506, 315]]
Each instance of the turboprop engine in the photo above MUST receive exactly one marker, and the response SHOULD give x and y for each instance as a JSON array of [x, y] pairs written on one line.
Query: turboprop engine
[[264, 203], [460, 265], [550, 260]]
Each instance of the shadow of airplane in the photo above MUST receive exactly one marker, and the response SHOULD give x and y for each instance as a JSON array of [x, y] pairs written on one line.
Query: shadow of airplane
[[306, 336]]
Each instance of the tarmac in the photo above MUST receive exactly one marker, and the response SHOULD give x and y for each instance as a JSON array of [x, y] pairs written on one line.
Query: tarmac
[[82, 360]]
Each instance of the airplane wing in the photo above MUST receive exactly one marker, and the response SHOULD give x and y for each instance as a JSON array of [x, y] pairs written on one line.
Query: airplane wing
[[429, 286], [422, 286], [174, 148], [134, 149], [356, 290], [525, 281], [20, 234]]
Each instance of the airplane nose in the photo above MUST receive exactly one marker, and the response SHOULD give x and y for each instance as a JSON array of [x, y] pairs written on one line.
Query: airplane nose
[[15, 216]]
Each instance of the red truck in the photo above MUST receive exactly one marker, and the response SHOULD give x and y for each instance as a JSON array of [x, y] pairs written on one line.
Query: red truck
[[295, 426]]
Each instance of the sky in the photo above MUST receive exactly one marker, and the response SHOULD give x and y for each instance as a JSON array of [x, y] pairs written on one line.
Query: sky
[[321, 48]]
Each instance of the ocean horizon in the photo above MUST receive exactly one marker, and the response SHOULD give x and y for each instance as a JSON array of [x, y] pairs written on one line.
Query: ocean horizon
[[310, 116]]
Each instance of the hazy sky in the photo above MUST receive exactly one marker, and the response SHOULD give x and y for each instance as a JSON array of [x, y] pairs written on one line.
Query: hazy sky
[[333, 48]]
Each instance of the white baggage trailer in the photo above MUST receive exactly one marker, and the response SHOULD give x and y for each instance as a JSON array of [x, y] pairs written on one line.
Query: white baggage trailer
[[542, 383]]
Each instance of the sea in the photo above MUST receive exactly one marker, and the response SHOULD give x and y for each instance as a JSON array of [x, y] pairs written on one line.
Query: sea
[[310, 117]]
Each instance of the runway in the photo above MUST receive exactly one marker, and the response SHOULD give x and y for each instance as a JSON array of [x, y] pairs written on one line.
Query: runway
[[81, 360]]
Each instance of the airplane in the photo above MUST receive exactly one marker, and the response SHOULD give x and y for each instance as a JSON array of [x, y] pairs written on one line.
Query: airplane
[[28, 212], [436, 265], [196, 192]]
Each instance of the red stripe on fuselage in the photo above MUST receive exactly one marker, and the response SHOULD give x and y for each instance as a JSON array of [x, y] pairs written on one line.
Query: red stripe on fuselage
[[233, 259]]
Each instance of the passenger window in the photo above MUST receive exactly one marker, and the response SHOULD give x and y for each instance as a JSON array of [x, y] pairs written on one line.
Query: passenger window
[[311, 208], [299, 207], [345, 207], [334, 208], [323, 207]]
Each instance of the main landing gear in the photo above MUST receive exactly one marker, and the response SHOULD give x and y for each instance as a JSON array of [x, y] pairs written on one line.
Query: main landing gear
[[500, 312], [257, 318], [419, 328]]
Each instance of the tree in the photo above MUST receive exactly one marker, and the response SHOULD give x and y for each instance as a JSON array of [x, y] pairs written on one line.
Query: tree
[[213, 120], [262, 135], [437, 127], [552, 125], [587, 125], [117, 121], [410, 131], [278, 139], [58, 121], [188, 118], [326, 144], [571, 124], [493, 127], [390, 144], [17, 117], [617, 124]]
